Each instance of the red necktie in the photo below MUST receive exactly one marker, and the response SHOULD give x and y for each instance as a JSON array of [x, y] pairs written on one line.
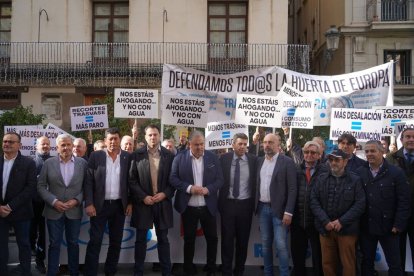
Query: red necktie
[[308, 175]]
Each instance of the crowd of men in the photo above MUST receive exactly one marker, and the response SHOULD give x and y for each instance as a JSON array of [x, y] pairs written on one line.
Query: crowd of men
[[340, 204]]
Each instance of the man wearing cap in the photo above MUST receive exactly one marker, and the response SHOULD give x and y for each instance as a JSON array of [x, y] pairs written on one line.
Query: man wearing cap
[[404, 158], [388, 208], [347, 143], [337, 202]]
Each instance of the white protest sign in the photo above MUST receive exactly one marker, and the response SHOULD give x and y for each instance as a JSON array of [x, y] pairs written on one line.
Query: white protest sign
[[89, 117], [393, 115], [185, 111], [363, 124], [219, 135], [135, 103], [297, 111], [29, 135], [400, 126], [58, 129], [258, 110], [362, 89]]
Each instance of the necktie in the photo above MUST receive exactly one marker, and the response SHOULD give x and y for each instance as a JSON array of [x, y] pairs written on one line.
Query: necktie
[[236, 184], [308, 174], [409, 158]]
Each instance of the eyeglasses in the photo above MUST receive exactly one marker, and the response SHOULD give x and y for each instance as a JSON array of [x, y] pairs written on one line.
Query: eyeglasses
[[9, 142], [334, 159], [310, 152]]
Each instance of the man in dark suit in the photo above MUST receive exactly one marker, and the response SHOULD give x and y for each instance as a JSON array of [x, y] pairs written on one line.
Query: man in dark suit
[[151, 194], [197, 176], [276, 175], [236, 204], [60, 185], [106, 201], [18, 184], [347, 143]]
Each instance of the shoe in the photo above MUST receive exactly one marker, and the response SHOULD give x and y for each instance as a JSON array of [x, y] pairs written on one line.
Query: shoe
[[156, 267], [40, 266]]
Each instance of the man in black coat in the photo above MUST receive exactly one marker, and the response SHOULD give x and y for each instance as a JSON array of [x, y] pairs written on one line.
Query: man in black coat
[[388, 208], [347, 143], [18, 185], [337, 202], [236, 204], [151, 195], [303, 227], [106, 201]]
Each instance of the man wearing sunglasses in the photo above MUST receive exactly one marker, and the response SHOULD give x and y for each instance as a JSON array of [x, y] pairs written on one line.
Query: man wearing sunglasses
[[303, 227], [337, 202]]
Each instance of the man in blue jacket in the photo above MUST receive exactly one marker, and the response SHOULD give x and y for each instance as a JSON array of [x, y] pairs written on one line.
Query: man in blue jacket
[[337, 202], [197, 176], [387, 211]]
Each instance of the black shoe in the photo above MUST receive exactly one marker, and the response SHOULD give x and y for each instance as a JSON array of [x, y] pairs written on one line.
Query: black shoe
[[40, 266]]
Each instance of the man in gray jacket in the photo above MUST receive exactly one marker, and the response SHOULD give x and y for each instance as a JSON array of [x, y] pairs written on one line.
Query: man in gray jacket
[[60, 185]]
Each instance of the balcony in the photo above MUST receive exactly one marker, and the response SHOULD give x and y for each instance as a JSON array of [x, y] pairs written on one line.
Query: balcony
[[134, 64], [390, 10]]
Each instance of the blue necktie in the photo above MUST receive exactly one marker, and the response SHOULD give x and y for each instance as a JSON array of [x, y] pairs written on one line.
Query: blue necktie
[[236, 184], [409, 157]]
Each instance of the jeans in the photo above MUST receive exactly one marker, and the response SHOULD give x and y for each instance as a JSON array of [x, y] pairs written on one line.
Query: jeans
[[71, 227], [22, 232], [272, 227]]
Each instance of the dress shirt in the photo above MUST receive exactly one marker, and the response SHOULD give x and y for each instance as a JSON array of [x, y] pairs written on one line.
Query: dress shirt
[[67, 169], [7, 166], [244, 177], [112, 181], [266, 173], [374, 172], [198, 172], [154, 158]]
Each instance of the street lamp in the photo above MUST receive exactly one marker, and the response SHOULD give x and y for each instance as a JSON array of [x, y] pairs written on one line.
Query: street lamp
[[332, 41]]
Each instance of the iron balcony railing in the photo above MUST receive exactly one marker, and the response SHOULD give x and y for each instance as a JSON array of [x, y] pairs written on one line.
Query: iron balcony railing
[[390, 10], [134, 64]]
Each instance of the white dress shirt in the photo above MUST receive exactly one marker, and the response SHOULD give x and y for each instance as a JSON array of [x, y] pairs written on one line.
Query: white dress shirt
[[112, 181], [266, 173], [198, 172], [7, 166]]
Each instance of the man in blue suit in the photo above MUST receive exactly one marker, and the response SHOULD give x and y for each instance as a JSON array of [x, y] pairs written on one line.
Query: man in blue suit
[[197, 176]]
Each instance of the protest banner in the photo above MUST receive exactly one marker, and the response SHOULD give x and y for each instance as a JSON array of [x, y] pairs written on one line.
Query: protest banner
[[297, 111], [219, 135], [185, 111], [362, 89], [258, 110], [89, 117], [400, 126], [58, 129], [29, 135], [363, 124], [135, 103], [393, 115]]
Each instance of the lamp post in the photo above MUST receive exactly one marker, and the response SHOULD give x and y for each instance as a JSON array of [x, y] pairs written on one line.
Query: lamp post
[[332, 42]]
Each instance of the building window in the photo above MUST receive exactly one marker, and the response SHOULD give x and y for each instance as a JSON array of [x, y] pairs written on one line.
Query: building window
[[402, 65], [227, 24], [393, 10], [5, 30], [111, 25]]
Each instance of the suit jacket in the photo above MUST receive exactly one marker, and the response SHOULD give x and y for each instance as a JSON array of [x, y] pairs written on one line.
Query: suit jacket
[[226, 161], [94, 188], [51, 186], [283, 186], [182, 176], [21, 187], [140, 186]]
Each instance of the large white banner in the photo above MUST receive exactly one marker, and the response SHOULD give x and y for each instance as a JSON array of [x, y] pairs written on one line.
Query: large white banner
[[219, 135], [363, 124], [362, 89], [135, 103], [393, 115], [89, 117]]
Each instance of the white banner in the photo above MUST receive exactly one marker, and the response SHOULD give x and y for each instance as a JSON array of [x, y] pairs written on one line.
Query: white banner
[[29, 135], [89, 117], [219, 135], [135, 103], [363, 124], [362, 89], [393, 115], [258, 111], [400, 126], [185, 111]]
